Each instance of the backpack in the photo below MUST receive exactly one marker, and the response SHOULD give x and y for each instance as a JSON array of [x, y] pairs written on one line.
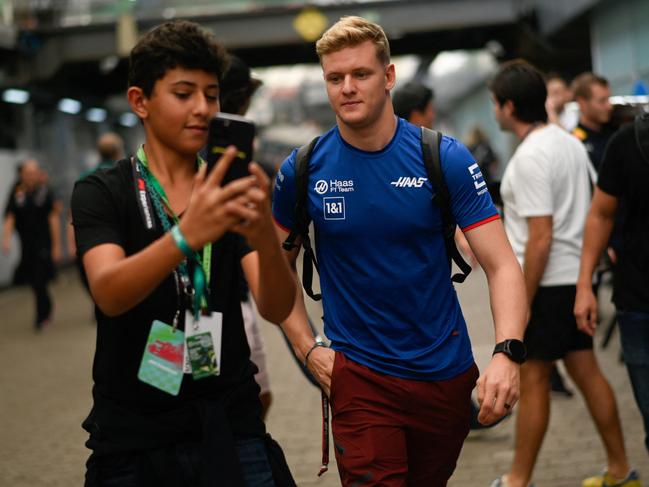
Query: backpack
[[430, 146]]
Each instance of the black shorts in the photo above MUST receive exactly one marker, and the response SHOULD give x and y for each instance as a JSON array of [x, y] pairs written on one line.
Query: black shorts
[[552, 330]]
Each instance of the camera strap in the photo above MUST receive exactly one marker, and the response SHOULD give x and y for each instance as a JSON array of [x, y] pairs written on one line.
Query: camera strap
[[142, 196]]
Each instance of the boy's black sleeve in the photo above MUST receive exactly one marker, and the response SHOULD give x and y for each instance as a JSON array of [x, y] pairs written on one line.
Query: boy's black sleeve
[[94, 215]]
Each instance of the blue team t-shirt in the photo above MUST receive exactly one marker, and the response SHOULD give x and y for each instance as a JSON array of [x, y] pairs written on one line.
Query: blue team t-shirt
[[388, 299]]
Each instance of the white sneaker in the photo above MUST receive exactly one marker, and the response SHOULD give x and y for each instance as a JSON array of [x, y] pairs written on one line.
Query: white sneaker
[[502, 482]]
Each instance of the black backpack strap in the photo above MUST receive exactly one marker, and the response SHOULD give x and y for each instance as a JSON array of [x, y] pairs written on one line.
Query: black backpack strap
[[430, 146], [302, 218], [642, 135]]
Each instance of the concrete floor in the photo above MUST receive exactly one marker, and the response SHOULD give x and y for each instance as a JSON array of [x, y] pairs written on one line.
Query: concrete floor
[[45, 382]]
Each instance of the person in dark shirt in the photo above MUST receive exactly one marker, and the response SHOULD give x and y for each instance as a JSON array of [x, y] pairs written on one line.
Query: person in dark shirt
[[33, 213], [478, 144], [110, 147], [592, 95], [161, 241], [622, 184]]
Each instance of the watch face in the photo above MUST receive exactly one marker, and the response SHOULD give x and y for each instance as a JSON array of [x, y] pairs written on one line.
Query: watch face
[[517, 350]]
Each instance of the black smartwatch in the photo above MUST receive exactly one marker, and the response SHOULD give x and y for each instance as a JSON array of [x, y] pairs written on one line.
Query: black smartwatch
[[514, 349]]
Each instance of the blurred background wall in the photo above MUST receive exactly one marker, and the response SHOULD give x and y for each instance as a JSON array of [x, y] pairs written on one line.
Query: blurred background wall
[[63, 66]]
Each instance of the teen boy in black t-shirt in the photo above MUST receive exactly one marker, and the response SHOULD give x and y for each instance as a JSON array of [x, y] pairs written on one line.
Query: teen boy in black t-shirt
[[144, 231]]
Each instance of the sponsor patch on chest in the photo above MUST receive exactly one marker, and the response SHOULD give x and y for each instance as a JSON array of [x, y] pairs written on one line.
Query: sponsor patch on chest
[[323, 186], [334, 207]]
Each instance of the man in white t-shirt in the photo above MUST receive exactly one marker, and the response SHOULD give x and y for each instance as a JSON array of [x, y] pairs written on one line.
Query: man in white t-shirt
[[546, 193]]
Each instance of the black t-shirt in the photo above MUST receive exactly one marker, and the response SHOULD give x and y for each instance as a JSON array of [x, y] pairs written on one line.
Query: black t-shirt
[[594, 141], [624, 174], [31, 210], [105, 210]]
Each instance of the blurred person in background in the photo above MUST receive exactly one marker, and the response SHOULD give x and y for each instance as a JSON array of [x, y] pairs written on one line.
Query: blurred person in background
[[559, 95], [238, 87], [592, 94], [478, 144], [110, 148], [19, 278], [622, 183], [236, 91], [400, 369], [414, 102], [546, 192], [33, 212]]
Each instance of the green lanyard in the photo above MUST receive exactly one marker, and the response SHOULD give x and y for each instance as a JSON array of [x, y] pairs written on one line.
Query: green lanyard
[[202, 269]]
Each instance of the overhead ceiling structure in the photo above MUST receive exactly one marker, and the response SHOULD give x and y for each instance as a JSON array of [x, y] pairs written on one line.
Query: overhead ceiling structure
[[83, 50]]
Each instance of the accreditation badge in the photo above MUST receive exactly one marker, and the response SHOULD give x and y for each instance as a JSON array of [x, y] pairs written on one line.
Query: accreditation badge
[[202, 357], [162, 361]]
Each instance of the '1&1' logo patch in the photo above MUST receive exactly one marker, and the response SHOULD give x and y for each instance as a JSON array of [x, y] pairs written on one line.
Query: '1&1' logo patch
[[334, 208]]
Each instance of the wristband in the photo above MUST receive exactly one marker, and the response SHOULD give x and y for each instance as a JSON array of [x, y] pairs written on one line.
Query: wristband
[[313, 347], [182, 244]]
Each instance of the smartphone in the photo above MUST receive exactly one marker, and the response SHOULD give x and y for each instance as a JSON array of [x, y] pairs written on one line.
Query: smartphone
[[225, 130]]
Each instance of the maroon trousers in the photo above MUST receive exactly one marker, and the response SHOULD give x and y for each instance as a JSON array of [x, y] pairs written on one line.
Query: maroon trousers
[[397, 432]]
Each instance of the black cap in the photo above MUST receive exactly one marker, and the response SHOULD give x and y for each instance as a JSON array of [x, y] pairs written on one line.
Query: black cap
[[236, 83]]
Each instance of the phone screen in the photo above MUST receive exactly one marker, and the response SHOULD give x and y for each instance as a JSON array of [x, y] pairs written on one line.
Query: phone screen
[[226, 130]]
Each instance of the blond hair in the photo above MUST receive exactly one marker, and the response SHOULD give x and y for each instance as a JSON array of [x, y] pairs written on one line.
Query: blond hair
[[351, 31]]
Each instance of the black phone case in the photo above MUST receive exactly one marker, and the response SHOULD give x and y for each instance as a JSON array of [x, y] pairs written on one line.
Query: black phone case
[[226, 130]]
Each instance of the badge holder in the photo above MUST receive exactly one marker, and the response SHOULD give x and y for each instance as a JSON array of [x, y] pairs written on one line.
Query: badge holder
[[202, 356], [162, 361]]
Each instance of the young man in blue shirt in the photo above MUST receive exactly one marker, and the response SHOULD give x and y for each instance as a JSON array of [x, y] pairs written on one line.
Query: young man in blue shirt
[[400, 370]]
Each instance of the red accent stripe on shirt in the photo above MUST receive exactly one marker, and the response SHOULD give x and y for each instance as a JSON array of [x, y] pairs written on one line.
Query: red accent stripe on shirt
[[287, 230], [481, 222]]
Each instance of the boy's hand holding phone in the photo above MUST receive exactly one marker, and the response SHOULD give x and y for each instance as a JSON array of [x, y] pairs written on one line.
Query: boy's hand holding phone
[[234, 195], [254, 212], [207, 217]]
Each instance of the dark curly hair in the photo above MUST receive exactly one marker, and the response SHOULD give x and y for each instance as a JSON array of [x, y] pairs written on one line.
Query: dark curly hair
[[178, 43]]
